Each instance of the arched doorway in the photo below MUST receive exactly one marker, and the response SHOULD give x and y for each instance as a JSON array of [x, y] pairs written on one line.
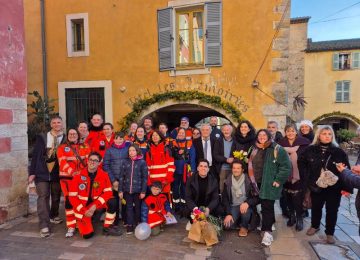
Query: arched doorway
[[172, 114], [338, 120]]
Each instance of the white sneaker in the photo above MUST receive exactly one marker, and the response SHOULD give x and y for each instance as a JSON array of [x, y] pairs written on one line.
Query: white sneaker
[[56, 220], [70, 232], [273, 227], [267, 239], [188, 226], [44, 232]]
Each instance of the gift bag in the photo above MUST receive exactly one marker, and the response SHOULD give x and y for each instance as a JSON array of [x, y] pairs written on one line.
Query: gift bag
[[195, 232], [209, 233]]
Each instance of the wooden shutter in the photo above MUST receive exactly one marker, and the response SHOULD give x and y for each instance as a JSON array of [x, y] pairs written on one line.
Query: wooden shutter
[[346, 91], [165, 39], [336, 61], [355, 60], [213, 33], [339, 91]]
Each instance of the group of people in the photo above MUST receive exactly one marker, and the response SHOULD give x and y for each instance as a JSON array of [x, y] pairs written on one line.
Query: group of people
[[151, 173]]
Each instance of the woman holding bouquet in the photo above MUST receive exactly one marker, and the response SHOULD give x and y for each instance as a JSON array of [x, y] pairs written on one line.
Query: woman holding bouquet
[[269, 168]]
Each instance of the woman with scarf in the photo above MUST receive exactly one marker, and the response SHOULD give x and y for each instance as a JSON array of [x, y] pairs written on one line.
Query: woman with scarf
[[160, 163], [306, 129], [323, 154], [72, 158], [140, 140], [245, 135], [294, 145], [113, 158], [185, 164], [268, 168], [133, 179]]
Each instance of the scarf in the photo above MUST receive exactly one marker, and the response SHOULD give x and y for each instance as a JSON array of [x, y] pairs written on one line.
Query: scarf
[[236, 186], [295, 175], [138, 157], [119, 146], [252, 156]]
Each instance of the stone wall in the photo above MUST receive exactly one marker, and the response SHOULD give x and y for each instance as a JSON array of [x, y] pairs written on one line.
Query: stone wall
[[13, 113], [297, 46]]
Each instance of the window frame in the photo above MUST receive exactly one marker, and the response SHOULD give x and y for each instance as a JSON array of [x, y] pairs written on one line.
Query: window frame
[[178, 12], [342, 91], [70, 36]]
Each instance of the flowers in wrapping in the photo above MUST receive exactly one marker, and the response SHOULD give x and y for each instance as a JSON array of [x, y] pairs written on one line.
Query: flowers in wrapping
[[241, 155]]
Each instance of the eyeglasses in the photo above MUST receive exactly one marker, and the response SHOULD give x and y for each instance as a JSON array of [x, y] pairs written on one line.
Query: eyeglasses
[[94, 160]]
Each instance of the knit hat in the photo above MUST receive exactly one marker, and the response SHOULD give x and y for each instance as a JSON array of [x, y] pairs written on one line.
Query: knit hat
[[185, 118], [308, 123], [156, 184]]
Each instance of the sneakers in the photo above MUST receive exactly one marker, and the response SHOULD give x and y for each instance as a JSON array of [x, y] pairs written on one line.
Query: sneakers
[[188, 226], [111, 231], [44, 232], [129, 230], [70, 232], [243, 232], [273, 228], [330, 239], [311, 231], [56, 220], [267, 239]]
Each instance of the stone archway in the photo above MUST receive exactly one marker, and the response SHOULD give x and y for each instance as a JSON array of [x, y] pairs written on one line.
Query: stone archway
[[196, 100], [338, 120]]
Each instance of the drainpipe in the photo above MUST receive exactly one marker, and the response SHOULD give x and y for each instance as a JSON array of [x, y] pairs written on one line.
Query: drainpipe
[[43, 45]]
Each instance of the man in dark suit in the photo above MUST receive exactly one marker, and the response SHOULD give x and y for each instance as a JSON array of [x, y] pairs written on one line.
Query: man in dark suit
[[204, 147]]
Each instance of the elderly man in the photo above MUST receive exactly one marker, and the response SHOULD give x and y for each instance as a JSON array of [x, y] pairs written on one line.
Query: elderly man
[[273, 128], [204, 147], [44, 170], [96, 130], [223, 154], [184, 123]]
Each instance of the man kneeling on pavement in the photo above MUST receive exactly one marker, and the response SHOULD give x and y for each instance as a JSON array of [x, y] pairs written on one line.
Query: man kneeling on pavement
[[91, 191]]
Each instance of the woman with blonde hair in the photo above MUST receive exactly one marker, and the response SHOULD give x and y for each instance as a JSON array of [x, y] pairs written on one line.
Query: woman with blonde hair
[[316, 162]]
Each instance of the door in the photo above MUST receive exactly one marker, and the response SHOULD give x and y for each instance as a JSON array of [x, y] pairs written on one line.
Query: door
[[82, 103]]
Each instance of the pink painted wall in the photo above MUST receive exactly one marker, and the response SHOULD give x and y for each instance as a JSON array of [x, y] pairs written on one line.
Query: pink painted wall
[[12, 49]]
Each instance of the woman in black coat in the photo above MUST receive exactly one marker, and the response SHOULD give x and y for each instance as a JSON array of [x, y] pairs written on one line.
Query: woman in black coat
[[294, 145], [245, 135], [324, 153]]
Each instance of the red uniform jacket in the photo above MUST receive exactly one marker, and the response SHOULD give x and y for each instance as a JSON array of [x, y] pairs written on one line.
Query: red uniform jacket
[[69, 163], [80, 188], [93, 137], [101, 144], [160, 165], [156, 209]]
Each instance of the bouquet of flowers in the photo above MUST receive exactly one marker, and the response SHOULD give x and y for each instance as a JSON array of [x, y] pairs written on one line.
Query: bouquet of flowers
[[198, 214], [241, 155]]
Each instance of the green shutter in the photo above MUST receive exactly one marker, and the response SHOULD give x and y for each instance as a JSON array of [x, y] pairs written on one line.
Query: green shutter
[[355, 60], [165, 39], [336, 61], [213, 33]]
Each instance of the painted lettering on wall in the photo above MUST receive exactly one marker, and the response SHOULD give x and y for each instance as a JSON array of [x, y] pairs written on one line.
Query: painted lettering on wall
[[210, 87]]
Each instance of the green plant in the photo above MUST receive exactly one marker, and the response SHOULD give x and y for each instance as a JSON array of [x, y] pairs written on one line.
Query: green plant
[[40, 112], [345, 135], [142, 104]]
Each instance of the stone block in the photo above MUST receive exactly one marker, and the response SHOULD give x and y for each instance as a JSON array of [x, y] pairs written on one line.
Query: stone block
[[13, 103], [279, 64], [11, 130], [5, 145], [14, 159], [280, 44], [3, 215], [20, 116], [6, 116], [5, 178], [19, 143]]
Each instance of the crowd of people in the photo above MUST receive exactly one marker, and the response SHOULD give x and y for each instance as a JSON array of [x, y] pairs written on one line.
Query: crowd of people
[[148, 174]]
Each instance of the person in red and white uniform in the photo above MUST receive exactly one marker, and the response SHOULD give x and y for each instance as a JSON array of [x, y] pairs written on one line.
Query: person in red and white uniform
[[91, 191], [104, 141], [95, 129], [72, 158]]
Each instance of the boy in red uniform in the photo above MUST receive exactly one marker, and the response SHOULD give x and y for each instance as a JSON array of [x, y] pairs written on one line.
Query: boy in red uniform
[[155, 207], [104, 141], [90, 191]]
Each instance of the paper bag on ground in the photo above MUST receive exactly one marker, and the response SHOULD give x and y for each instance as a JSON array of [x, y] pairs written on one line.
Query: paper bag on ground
[[195, 233], [209, 234]]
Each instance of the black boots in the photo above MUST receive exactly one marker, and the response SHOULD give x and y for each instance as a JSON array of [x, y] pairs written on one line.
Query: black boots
[[292, 220], [299, 223], [111, 231]]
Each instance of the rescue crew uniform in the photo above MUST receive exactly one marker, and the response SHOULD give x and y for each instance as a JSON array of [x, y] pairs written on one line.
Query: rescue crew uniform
[[143, 145], [154, 209], [188, 133], [129, 137], [101, 144], [160, 165], [72, 159], [185, 163], [89, 189], [95, 134]]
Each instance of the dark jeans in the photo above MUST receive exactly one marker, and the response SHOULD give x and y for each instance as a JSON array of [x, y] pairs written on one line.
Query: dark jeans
[[331, 198], [294, 202], [46, 191], [178, 188], [268, 214], [133, 208], [117, 206], [284, 202], [244, 219]]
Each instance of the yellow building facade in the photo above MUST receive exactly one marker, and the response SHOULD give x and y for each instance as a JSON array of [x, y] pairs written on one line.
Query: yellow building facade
[[332, 78], [106, 56]]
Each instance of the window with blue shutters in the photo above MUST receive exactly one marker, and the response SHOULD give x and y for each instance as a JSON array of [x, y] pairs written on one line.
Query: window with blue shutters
[[343, 91], [190, 37]]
